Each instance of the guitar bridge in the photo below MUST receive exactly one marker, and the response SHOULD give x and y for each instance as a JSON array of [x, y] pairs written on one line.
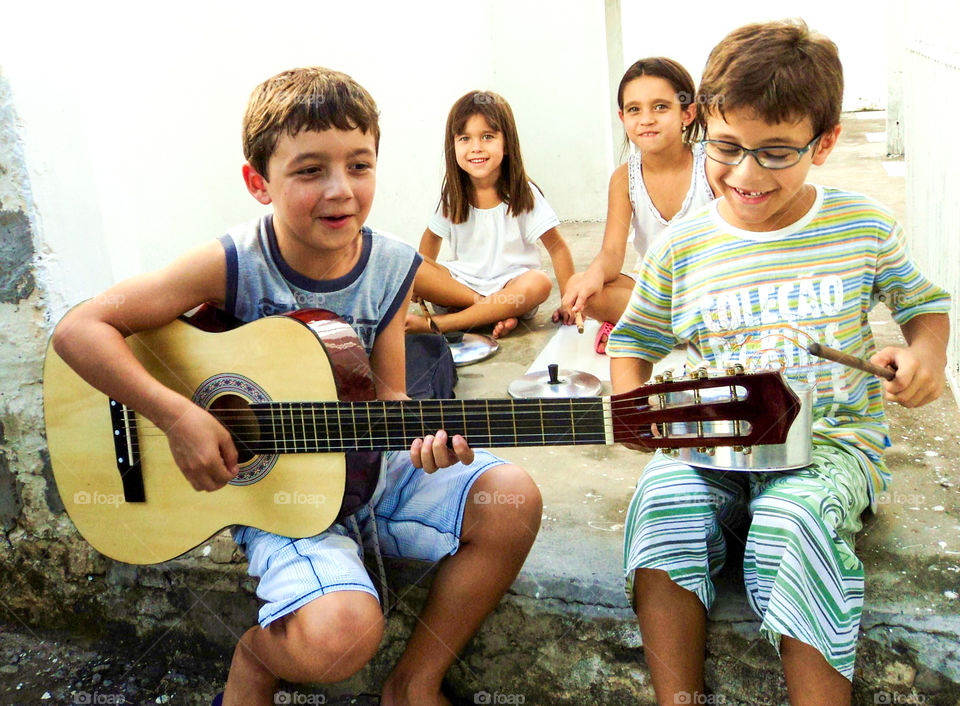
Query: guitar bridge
[[127, 447]]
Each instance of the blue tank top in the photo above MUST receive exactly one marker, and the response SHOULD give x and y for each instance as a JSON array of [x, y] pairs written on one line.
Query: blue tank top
[[260, 282]]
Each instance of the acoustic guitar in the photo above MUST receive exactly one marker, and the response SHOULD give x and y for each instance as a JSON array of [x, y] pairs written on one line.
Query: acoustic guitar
[[296, 395]]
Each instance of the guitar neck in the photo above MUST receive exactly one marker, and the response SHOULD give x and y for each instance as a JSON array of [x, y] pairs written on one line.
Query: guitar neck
[[381, 425]]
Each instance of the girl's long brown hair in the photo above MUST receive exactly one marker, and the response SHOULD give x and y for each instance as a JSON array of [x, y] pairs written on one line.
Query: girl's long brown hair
[[513, 188]]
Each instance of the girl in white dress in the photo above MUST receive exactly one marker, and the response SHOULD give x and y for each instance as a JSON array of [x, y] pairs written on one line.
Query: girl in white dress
[[662, 181], [492, 216]]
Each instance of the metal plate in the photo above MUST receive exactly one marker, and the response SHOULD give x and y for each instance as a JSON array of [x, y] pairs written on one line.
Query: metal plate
[[570, 383], [473, 348]]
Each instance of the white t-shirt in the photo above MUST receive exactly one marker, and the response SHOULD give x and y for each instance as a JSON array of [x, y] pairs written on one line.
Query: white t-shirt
[[491, 247]]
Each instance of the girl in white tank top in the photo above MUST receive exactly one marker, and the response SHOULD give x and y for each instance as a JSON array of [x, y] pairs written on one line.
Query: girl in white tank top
[[647, 220], [662, 181]]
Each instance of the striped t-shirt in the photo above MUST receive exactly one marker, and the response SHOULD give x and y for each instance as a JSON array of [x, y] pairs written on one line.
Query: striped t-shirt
[[758, 298]]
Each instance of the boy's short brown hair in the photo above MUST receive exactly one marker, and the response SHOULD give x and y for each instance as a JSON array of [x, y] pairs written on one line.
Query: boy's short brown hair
[[312, 98], [781, 70]]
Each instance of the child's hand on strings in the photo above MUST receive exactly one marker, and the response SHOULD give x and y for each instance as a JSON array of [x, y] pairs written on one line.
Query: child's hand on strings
[[920, 375], [431, 452]]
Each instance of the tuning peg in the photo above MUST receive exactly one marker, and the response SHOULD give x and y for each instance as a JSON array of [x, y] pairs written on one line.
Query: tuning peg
[[738, 449], [738, 369], [658, 378], [667, 376], [747, 450], [730, 370], [701, 374]]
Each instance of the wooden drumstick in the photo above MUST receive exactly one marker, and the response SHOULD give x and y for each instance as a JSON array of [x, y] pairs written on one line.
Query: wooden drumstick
[[578, 320], [850, 361]]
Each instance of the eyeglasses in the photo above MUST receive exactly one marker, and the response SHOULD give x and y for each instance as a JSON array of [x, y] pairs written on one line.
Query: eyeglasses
[[773, 157]]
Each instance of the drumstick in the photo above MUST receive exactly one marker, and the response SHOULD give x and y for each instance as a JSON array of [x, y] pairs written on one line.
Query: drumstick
[[850, 361], [426, 315], [578, 320]]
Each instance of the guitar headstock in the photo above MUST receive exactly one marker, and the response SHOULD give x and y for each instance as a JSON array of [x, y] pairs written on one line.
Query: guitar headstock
[[736, 409]]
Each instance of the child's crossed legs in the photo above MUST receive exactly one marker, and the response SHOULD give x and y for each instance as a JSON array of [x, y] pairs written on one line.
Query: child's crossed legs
[[435, 284], [802, 576]]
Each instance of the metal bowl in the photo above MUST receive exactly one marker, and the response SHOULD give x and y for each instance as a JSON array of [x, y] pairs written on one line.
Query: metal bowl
[[473, 348], [794, 453]]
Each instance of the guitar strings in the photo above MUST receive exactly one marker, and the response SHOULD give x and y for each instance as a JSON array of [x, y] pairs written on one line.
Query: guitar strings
[[524, 426], [283, 412], [418, 409]]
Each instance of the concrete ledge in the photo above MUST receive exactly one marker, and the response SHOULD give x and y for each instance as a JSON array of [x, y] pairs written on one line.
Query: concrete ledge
[[557, 638]]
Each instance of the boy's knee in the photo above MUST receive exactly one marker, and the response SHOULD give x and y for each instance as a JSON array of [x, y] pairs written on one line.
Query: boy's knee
[[334, 641], [508, 479], [507, 493]]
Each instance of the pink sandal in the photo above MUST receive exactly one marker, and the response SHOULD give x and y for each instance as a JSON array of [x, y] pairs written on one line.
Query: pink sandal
[[600, 342]]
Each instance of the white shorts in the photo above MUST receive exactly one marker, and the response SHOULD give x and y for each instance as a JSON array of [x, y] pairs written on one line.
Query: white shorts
[[418, 515]]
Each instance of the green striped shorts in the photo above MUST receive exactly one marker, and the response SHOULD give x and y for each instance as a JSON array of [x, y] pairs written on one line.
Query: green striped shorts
[[802, 576]]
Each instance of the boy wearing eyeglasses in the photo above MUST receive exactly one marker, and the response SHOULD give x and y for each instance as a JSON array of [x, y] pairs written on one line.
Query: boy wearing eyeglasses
[[773, 264]]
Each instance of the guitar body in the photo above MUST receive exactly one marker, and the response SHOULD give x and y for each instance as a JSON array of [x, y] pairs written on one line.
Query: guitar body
[[279, 358]]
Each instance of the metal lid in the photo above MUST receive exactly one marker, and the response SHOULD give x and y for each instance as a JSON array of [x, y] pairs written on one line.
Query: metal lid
[[473, 348], [555, 383]]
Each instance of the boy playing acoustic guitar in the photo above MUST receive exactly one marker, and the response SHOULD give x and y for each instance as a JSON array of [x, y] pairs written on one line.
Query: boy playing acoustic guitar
[[773, 264], [310, 138]]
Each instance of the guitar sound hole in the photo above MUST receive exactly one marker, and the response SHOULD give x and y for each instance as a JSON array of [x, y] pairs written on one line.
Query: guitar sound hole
[[235, 414]]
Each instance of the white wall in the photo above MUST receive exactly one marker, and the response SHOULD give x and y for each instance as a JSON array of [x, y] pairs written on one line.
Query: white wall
[[688, 31], [131, 116], [931, 97]]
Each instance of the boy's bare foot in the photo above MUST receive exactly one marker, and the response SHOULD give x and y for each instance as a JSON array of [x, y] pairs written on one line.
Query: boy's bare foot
[[504, 327]]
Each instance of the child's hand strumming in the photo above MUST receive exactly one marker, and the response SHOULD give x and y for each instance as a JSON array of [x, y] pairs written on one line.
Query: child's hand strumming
[[202, 449]]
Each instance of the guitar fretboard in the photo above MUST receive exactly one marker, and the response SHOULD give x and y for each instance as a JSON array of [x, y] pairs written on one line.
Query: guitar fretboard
[[381, 425]]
